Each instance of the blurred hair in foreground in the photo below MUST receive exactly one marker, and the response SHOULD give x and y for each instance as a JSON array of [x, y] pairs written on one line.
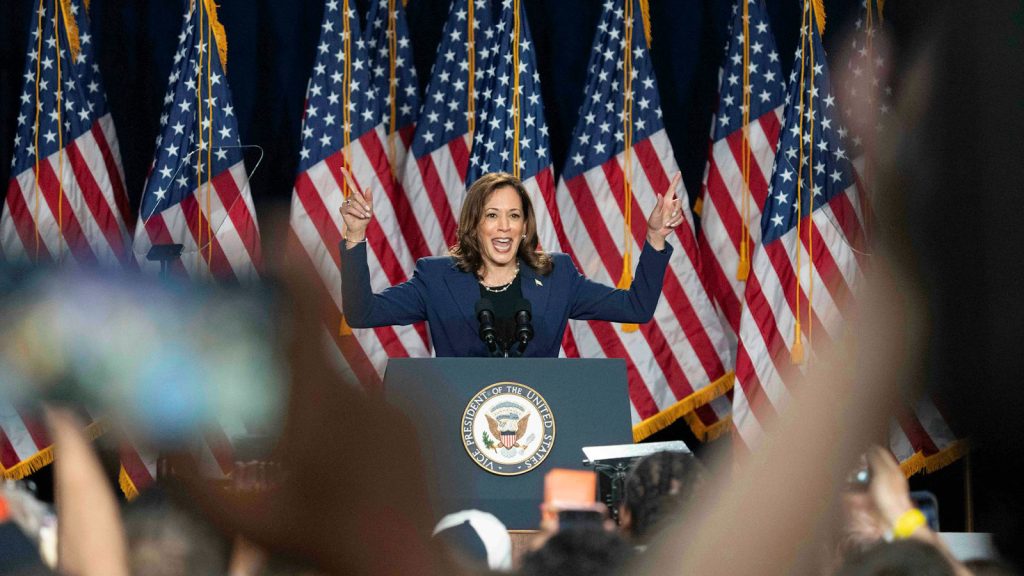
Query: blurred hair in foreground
[[941, 313], [951, 199]]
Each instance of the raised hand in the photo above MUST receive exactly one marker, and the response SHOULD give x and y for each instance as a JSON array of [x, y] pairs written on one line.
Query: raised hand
[[356, 210], [889, 488], [666, 215]]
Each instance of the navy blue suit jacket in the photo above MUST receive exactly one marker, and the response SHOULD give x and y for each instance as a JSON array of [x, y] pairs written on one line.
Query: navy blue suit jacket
[[445, 296]]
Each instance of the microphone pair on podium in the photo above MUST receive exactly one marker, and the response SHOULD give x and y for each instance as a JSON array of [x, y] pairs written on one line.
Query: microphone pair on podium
[[523, 333]]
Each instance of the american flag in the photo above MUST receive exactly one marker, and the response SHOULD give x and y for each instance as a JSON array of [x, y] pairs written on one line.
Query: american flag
[[197, 193], [396, 92], [75, 212], [435, 176], [679, 362], [25, 444], [66, 200], [865, 68], [920, 436], [511, 134], [343, 95], [731, 216], [808, 267]]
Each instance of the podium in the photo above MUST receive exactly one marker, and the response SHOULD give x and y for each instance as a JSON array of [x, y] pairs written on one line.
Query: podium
[[490, 428]]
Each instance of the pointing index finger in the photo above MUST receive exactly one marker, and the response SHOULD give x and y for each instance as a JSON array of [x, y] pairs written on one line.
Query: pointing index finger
[[673, 186]]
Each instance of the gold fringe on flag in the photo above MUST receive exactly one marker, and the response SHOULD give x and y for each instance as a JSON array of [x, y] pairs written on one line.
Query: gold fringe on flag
[[946, 456], [74, 44], [44, 457], [818, 7], [218, 33], [685, 409], [127, 486], [645, 11], [929, 464]]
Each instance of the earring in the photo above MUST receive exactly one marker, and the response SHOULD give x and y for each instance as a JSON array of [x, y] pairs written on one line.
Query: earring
[[524, 236]]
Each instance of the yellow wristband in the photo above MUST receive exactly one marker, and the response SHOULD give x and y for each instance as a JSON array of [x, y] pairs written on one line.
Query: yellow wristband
[[908, 523]]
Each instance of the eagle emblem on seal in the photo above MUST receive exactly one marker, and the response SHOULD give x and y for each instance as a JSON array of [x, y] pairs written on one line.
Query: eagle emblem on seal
[[507, 422]]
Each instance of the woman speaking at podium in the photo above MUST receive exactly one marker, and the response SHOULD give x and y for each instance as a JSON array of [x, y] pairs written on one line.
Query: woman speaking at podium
[[495, 293]]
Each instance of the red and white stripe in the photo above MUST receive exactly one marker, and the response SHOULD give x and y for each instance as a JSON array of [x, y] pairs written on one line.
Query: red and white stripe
[[317, 225], [407, 219], [217, 225], [22, 438], [722, 213], [551, 235], [683, 349], [922, 433], [764, 369], [78, 214], [83, 225], [435, 185], [223, 209]]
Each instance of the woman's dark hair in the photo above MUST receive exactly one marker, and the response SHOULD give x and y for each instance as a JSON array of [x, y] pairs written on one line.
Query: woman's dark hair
[[659, 486], [590, 551], [466, 250]]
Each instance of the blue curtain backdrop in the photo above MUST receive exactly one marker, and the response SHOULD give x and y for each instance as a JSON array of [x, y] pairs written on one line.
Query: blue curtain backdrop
[[271, 52]]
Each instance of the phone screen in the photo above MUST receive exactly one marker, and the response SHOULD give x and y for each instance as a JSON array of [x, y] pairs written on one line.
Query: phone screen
[[579, 519], [167, 361]]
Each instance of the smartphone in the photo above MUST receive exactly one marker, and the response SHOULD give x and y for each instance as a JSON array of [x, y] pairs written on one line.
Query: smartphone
[[928, 504], [165, 360], [579, 519], [571, 497]]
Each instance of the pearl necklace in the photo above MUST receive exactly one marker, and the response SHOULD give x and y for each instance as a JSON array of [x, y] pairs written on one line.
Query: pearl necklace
[[503, 287]]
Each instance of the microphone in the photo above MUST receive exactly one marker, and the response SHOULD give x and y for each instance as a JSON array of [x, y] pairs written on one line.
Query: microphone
[[485, 315], [524, 325]]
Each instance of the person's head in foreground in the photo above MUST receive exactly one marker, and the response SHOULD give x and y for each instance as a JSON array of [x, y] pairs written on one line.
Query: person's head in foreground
[[658, 487], [582, 551], [476, 539]]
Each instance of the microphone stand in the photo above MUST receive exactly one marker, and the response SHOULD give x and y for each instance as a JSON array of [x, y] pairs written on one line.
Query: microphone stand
[[485, 315], [524, 327]]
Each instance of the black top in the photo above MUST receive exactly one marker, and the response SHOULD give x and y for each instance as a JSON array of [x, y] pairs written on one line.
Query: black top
[[505, 309]]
